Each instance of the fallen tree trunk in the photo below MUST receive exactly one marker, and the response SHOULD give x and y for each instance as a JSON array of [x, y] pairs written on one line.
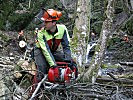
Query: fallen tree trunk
[[123, 81], [91, 95], [127, 63], [37, 88]]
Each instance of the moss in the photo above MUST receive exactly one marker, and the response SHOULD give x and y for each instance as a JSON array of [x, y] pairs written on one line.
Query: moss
[[4, 37], [75, 30], [113, 66], [104, 66], [97, 48], [129, 76], [75, 38]]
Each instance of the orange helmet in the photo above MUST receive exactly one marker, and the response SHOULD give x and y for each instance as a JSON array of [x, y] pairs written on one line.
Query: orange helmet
[[51, 15]]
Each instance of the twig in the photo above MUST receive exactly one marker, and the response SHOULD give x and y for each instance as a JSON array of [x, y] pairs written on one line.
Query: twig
[[37, 88], [112, 76], [124, 81], [29, 3], [91, 95]]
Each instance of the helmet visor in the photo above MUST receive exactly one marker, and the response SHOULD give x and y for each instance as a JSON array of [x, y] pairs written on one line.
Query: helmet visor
[[43, 15], [39, 16]]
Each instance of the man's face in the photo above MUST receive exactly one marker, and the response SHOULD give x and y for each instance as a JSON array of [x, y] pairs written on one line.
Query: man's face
[[48, 25]]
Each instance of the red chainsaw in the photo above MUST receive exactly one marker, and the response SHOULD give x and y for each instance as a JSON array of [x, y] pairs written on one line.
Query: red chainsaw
[[58, 76], [62, 73]]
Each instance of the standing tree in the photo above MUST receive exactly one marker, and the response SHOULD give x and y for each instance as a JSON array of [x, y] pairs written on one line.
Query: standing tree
[[81, 31], [92, 71]]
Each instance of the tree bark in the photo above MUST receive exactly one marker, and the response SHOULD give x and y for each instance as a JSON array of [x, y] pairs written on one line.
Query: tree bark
[[131, 1], [124, 81], [127, 63], [81, 31]]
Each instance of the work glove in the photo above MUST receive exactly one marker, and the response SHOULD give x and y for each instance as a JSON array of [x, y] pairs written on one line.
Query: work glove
[[74, 68], [72, 64]]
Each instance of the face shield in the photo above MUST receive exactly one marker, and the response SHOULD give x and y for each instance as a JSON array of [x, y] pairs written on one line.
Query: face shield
[[38, 19], [39, 16]]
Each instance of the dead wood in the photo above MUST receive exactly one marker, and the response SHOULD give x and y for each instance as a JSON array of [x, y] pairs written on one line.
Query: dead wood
[[112, 76], [37, 88], [91, 90], [124, 81], [127, 63], [91, 95]]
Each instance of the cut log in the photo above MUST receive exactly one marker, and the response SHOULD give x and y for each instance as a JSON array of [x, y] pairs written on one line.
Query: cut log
[[124, 81], [126, 63], [90, 95]]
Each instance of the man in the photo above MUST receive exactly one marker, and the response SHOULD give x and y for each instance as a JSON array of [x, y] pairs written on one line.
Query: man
[[48, 40], [125, 38], [22, 41]]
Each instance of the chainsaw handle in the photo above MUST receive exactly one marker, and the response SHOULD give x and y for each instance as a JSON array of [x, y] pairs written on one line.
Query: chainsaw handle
[[68, 61], [60, 63]]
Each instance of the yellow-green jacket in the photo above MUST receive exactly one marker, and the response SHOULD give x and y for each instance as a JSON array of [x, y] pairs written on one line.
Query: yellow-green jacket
[[50, 42]]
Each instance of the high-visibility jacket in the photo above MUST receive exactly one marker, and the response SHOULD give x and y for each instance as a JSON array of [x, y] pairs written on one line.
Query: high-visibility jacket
[[50, 42]]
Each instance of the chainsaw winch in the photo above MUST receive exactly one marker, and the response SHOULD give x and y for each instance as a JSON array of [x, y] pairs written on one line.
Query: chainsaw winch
[[61, 74]]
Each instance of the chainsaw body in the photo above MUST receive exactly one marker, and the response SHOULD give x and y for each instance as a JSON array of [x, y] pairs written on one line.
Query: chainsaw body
[[61, 74], [58, 76]]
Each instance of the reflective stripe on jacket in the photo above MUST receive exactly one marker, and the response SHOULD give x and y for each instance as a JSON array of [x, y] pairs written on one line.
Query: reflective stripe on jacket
[[49, 43]]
